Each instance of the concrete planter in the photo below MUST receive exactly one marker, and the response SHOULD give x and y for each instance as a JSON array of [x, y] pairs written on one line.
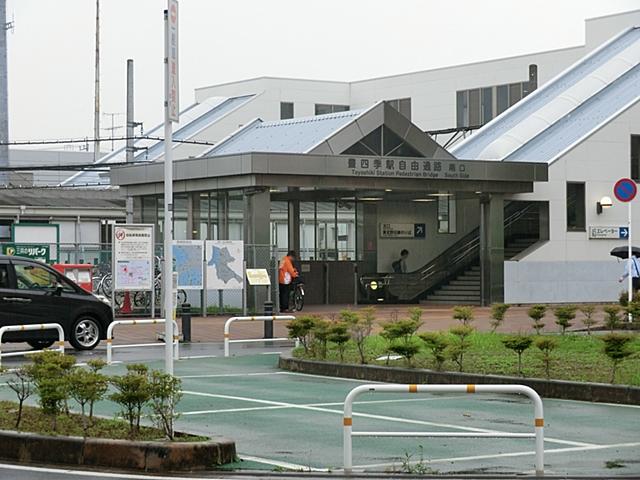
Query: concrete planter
[[118, 454], [590, 392]]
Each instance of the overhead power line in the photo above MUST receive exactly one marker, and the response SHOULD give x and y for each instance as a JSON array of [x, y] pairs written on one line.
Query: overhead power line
[[90, 140]]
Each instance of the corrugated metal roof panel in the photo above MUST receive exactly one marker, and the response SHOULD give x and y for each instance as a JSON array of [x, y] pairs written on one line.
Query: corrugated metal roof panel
[[296, 135]]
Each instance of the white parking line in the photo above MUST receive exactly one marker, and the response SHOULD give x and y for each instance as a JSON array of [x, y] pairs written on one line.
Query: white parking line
[[216, 375], [287, 465], [505, 455], [367, 415], [92, 473]]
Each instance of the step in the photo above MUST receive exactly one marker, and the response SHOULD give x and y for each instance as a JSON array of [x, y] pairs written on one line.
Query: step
[[440, 293], [463, 283], [469, 276], [459, 288], [453, 300], [447, 302]]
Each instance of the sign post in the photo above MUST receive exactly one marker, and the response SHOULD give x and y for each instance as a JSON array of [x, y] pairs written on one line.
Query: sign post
[[625, 190], [171, 114]]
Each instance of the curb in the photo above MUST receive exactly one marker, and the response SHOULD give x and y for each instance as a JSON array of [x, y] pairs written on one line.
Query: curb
[[585, 391], [117, 454]]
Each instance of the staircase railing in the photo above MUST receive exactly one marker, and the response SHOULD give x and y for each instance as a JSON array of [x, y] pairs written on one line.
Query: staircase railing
[[452, 262]]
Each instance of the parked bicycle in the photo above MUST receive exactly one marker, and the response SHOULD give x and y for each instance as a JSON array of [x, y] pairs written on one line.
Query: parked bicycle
[[296, 296]]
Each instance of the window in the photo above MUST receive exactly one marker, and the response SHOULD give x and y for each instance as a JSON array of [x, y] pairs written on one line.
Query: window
[[502, 99], [515, 93], [474, 107], [286, 110], [461, 108], [30, 277], [403, 105], [323, 109], [446, 213], [4, 276], [635, 157], [487, 104], [576, 215]]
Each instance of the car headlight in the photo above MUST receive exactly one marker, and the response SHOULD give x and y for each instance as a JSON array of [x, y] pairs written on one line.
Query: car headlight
[[373, 285]]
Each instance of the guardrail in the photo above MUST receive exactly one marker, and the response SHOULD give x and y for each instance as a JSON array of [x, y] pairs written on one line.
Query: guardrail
[[227, 326], [111, 346], [35, 326], [348, 432]]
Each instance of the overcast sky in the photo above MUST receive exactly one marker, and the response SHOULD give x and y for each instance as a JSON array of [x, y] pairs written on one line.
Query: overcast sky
[[51, 52]]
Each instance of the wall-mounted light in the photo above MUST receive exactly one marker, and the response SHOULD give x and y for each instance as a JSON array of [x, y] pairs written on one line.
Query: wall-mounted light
[[605, 202]]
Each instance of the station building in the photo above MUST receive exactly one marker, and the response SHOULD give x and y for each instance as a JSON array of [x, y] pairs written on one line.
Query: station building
[[342, 172]]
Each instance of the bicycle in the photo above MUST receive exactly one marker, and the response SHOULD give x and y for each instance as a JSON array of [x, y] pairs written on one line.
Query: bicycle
[[296, 296]]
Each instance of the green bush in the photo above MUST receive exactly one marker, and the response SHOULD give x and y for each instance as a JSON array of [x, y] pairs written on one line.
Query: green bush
[[546, 345], [87, 387], [339, 334], [633, 309], [165, 393], [406, 350], [537, 313], [498, 311], [623, 299], [460, 345], [400, 333], [518, 343], [588, 311], [320, 335], [133, 392], [463, 314], [612, 318], [360, 327], [564, 315], [437, 344], [302, 329], [617, 348]]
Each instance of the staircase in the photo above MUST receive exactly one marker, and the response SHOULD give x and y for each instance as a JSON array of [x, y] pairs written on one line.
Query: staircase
[[464, 289], [517, 245]]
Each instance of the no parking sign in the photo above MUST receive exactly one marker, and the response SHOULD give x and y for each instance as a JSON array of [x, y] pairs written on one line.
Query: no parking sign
[[626, 190]]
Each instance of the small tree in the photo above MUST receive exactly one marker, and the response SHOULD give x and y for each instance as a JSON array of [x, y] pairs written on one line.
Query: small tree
[[458, 348], [50, 372], [437, 344], [612, 316], [400, 334], [301, 328], [463, 314], [21, 383], [165, 394], [320, 333], [588, 320], [96, 366], [518, 343], [498, 311], [133, 392], [537, 313], [633, 309], [564, 315], [360, 327], [338, 334], [87, 387], [616, 347], [546, 345]]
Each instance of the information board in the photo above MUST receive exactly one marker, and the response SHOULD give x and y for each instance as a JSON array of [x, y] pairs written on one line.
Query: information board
[[188, 258], [33, 251], [403, 230], [608, 232], [224, 263], [133, 257], [258, 276]]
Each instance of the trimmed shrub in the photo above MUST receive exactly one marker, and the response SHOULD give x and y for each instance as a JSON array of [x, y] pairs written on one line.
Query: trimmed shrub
[[537, 313], [518, 343], [301, 328], [616, 347], [588, 311], [498, 311], [612, 317], [564, 315], [463, 314], [437, 344], [165, 393], [360, 327], [546, 345], [339, 334], [133, 392], [460, 345]]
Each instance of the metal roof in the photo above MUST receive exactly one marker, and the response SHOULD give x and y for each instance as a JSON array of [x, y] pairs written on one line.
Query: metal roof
[[564, 111], [296, 135], [193, 120]]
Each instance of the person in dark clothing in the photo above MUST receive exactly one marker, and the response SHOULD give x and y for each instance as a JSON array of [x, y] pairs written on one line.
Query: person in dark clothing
[[286, 274], [400, 265]]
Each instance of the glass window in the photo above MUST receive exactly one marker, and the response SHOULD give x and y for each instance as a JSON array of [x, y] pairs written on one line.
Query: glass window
[[286, 110], [30, 277], [502, 98], [236, 215], [180, 207], [446, 213], [515, 93], [635, 157], [323, 109], [326, 231], [403, 105], [346, 218], [307, 231], [461, 109], [474, 107], [280, 226], [487, 104], [576, 215], [4, 276]]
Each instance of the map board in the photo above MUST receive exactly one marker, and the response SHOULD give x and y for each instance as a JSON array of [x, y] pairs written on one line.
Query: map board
[[224, 262], [188, 257], [133, 257]]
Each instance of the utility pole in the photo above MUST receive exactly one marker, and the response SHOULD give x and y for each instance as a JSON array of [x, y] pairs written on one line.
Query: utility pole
[[4, 91], [96, 112]]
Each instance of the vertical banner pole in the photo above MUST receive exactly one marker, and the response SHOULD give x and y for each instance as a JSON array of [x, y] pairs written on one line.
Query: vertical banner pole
[[630, 264]]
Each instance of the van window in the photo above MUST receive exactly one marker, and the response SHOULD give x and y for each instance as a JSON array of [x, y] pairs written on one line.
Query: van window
[[35, 277], [4, 276]]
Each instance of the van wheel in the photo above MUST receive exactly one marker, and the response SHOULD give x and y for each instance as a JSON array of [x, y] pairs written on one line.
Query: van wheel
[[40, 344], [85, 334]]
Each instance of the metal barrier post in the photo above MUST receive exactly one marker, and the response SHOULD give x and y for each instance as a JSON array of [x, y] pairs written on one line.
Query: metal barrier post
[[268, 324], [24, 328], [186, 322], [227, 327], [538, 434]]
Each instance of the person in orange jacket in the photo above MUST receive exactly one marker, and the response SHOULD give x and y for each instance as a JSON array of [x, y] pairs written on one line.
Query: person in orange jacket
[[286, 274]]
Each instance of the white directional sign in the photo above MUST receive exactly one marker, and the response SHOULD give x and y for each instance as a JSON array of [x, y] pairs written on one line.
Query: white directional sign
[[608, 232]]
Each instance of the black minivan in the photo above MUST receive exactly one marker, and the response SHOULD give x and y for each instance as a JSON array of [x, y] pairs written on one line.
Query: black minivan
[[33, 292]]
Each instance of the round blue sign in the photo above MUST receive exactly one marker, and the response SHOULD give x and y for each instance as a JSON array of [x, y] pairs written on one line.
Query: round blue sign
[[625, 189]]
